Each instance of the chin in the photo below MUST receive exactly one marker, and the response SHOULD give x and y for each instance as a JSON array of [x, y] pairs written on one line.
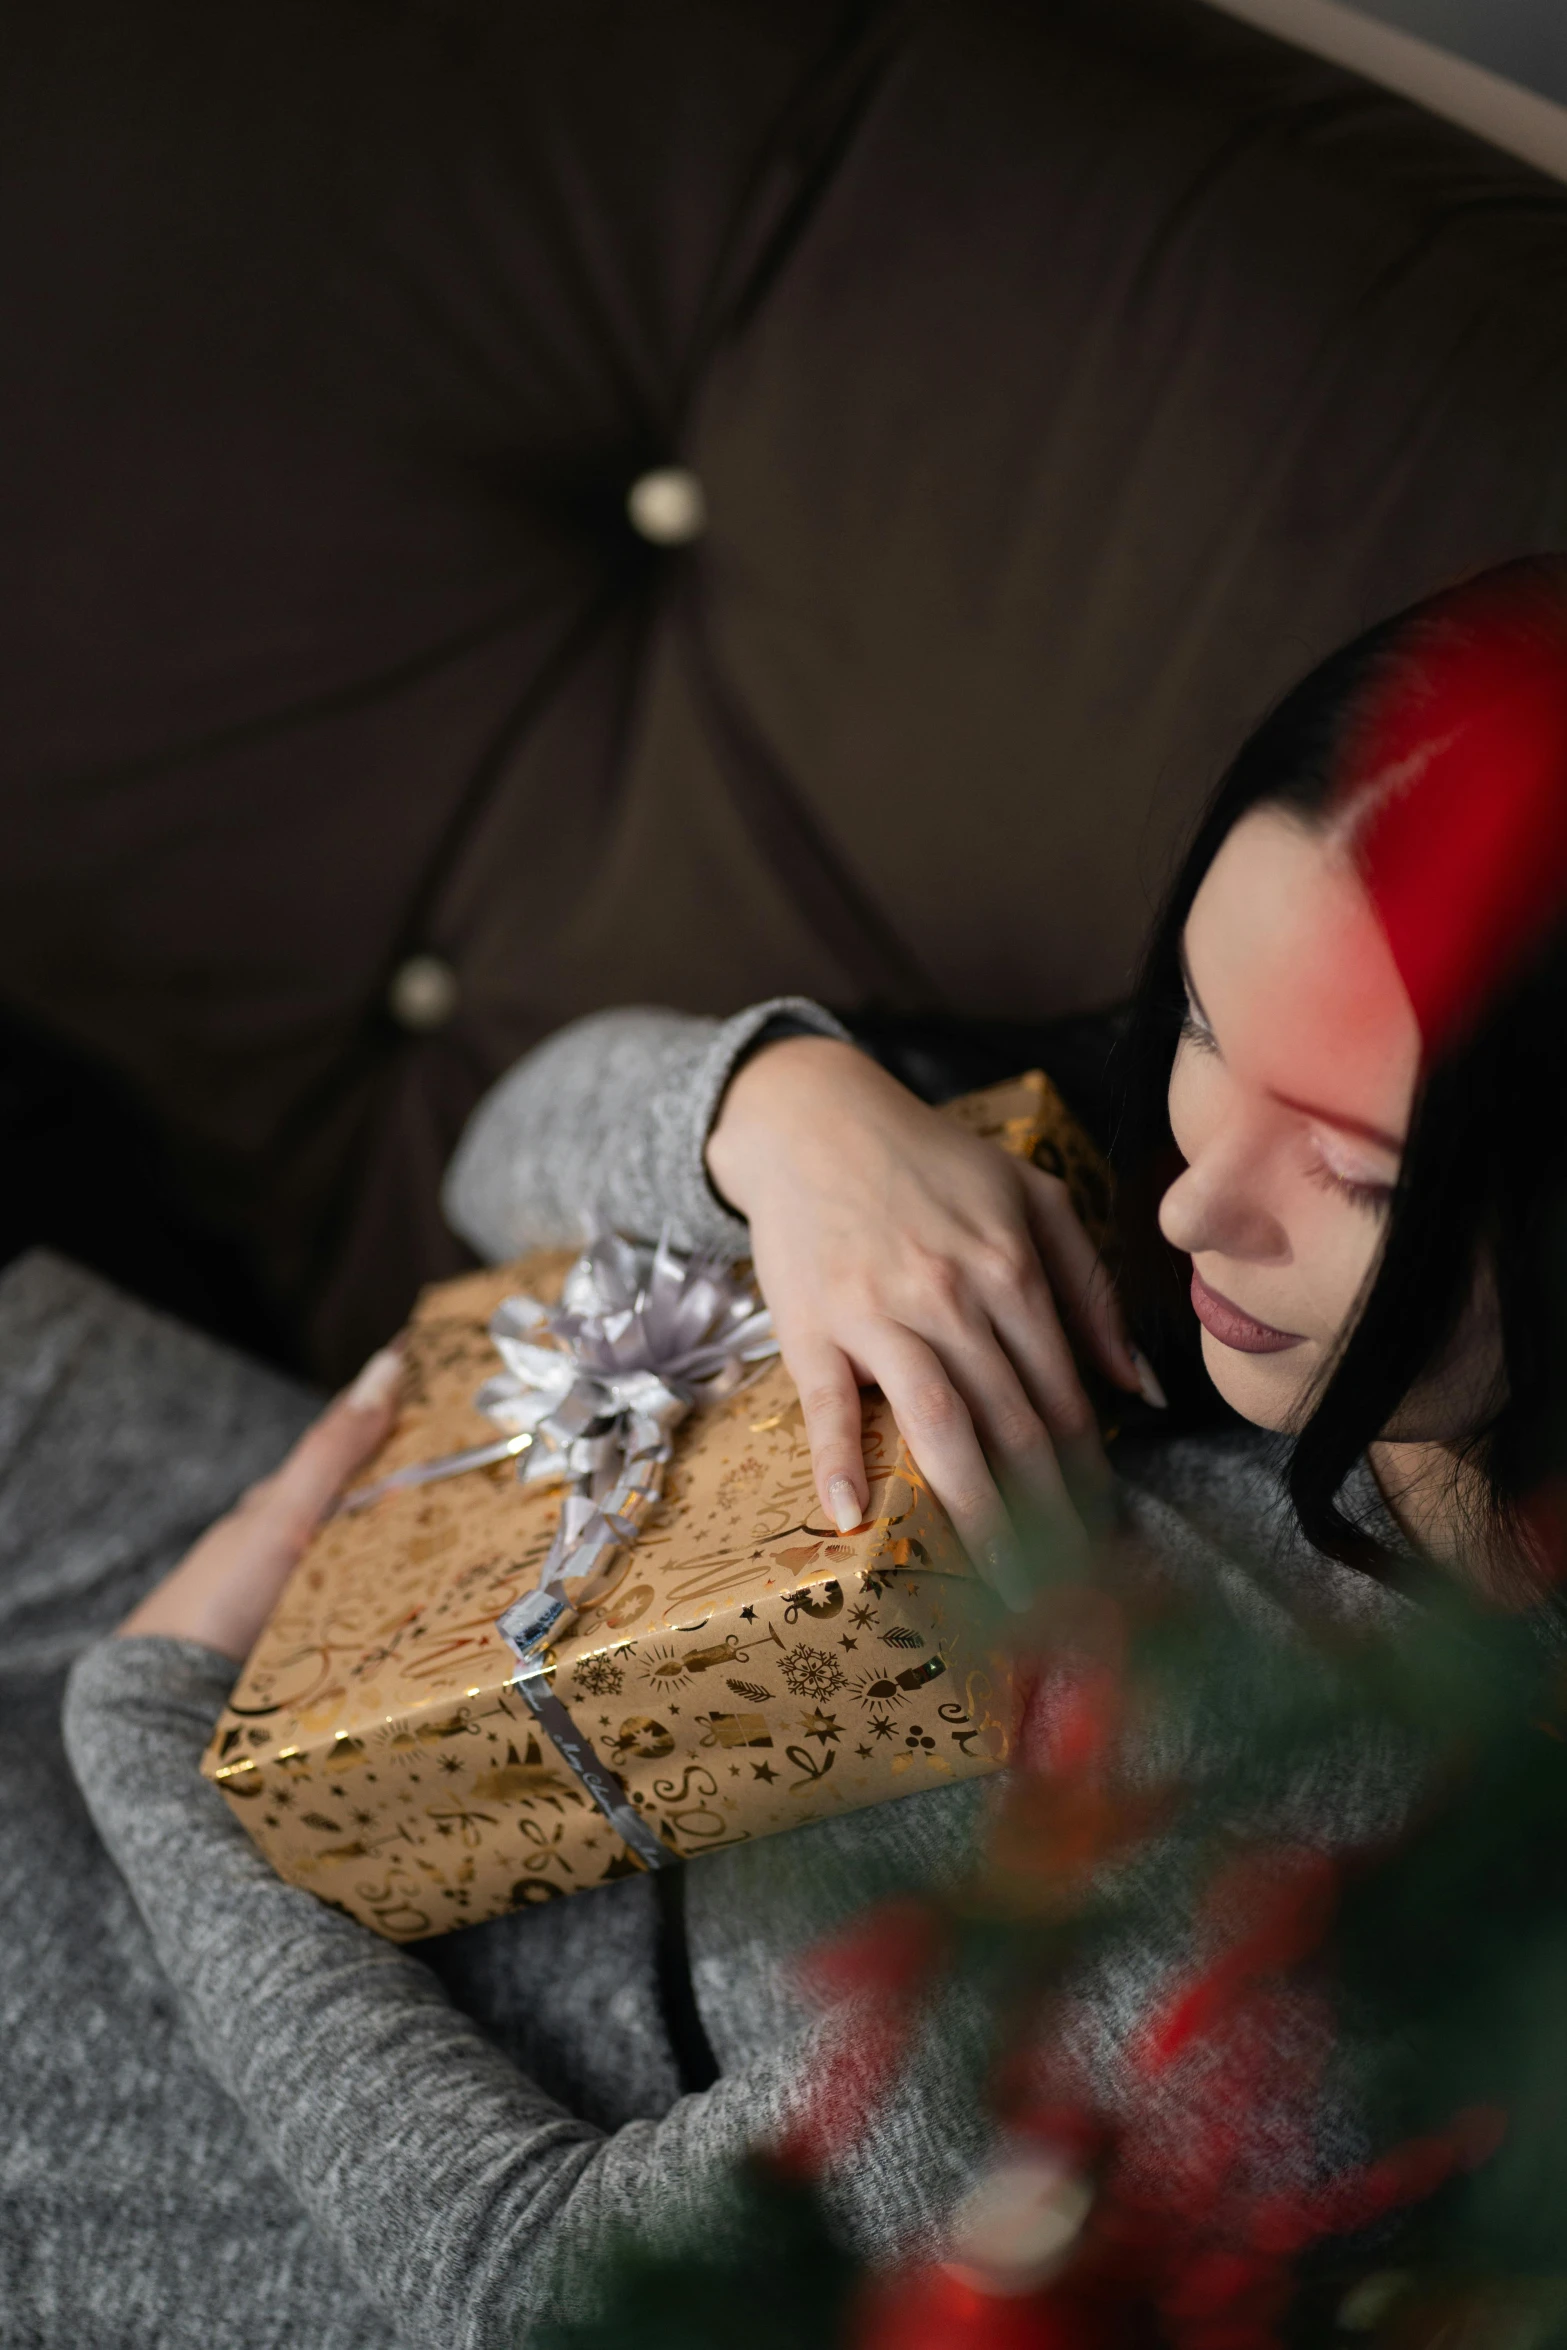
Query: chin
[[1268, 1390]]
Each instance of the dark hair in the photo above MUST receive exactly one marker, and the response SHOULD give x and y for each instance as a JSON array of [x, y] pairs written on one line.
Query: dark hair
[[1483, 1168]]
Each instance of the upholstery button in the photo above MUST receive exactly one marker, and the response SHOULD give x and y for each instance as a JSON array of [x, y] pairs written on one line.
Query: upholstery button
[[423, 994], [667, 506]]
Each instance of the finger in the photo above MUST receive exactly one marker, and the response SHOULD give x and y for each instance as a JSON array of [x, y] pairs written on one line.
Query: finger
[[1020, 1448], [1035, 1345], [830, 1401], [341, 1441], [1080, 1278], [1023, 1316], [938, 1428]]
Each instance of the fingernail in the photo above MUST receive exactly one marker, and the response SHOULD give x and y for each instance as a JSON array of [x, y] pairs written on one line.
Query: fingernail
[[377, 1382], [844, 1504], [1148, 1386]]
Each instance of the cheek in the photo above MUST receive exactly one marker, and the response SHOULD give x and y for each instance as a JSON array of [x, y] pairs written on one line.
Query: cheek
[[1323, 1245], [1334, 1245]]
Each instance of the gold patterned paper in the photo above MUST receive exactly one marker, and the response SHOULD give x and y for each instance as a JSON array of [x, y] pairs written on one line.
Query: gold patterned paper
[[751, 1670]]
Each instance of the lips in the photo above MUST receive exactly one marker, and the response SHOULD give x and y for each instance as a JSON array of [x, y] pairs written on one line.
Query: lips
[[1231, 1327]]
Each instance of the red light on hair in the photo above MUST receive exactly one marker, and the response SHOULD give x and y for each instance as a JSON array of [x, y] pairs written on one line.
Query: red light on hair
[[1454, 797]]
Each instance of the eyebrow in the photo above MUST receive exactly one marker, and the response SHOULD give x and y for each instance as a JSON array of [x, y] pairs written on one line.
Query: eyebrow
[[1360, 1127], [1390, 1143]]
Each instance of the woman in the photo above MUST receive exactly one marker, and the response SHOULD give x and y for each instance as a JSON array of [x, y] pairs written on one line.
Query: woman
[[1364, 1079]]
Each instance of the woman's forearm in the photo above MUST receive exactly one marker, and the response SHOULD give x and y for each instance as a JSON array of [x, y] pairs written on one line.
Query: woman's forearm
[[462, 2198], [603, 1127], [894, 1249], [465, 2201]]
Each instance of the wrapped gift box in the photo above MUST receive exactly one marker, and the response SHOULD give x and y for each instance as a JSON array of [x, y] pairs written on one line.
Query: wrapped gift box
[[751, 1669]]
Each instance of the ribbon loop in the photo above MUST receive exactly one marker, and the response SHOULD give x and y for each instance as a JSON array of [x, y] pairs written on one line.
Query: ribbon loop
[[591, 1393]]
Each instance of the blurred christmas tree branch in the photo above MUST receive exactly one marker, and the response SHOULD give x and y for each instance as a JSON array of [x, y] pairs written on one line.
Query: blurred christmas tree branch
[[1424, 1956]]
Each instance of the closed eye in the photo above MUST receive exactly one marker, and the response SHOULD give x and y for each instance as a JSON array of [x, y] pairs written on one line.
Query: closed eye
[[1371, 1197], [1194, 1030]]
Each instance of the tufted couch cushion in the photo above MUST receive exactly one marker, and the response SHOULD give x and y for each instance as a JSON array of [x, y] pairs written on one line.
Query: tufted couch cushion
[[1061, 379]]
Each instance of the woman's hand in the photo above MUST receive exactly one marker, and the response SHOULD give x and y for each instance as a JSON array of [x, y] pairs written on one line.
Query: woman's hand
[[223, 1591], [896, 1250]]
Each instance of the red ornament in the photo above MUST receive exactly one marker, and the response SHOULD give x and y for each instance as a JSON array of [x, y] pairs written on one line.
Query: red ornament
[[932, 2309]]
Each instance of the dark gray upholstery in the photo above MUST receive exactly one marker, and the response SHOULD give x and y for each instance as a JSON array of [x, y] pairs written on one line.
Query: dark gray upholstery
[[1062, 377]]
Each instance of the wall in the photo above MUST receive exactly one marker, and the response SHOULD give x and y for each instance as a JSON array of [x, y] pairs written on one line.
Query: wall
[[1366, 39], [1524, 39]]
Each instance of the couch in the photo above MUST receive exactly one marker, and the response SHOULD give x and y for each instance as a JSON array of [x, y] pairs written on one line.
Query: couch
[[1016, 397]]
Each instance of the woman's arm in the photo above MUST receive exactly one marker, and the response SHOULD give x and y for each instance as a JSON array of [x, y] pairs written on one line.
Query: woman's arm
[[601, 1128], [461, 2197], [894, 1249], [464, 2200]]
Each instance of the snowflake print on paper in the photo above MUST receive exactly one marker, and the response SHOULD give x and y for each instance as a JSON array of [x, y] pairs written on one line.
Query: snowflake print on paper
[[597, 1677], [811, 1672]]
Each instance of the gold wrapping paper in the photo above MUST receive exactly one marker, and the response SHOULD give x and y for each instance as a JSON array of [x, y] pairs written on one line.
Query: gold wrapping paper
[[751, 1669]]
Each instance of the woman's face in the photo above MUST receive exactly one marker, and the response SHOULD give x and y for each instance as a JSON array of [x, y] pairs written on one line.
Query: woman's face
[[1289, 1100]]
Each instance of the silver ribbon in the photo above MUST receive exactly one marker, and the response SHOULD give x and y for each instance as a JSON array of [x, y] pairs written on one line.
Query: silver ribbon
[[591, 1395]]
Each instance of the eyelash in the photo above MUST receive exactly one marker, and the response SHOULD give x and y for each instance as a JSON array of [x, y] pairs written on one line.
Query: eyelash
[[1372, 1197], [1193, 1032]]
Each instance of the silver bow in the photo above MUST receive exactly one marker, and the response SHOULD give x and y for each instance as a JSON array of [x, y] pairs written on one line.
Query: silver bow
[[592, 1392]]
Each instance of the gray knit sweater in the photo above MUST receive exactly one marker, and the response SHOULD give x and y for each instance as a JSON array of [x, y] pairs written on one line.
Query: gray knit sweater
[[237, 2116]]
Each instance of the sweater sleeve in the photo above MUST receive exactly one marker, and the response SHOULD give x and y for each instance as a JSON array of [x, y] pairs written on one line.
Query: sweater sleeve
[[468, 2204], [603, 1127]]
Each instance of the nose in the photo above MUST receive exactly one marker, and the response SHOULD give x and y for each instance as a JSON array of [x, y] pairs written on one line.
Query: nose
[[1218, 1206]]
